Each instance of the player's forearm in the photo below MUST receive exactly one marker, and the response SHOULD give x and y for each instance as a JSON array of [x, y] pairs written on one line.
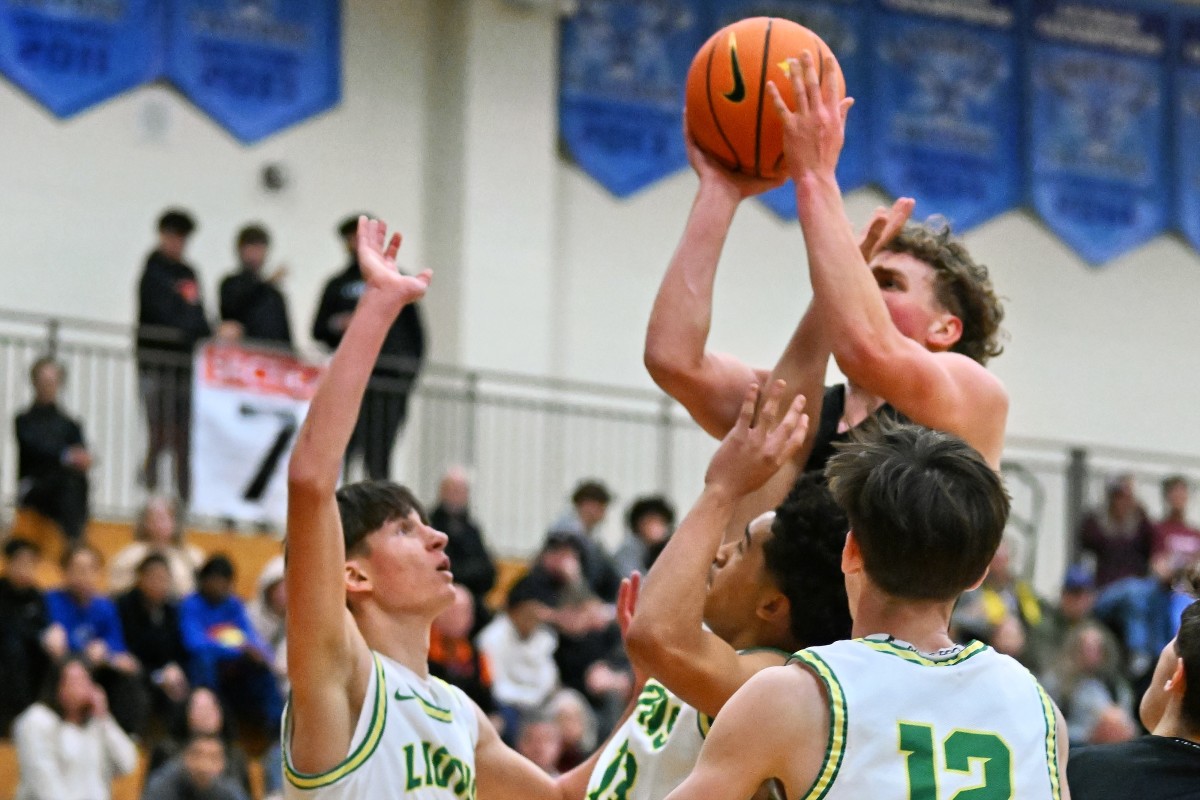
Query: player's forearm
[[317, 458], [844, 289], [670, 607], [682, 313]]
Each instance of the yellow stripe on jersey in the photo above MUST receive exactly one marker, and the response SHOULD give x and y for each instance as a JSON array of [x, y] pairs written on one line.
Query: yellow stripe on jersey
[[1051, 742], [835, 750], [911, 655], [360, 754]]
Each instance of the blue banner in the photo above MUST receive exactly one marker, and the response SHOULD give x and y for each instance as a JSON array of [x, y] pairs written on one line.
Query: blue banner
[[842, 24], [70, 55], [1187, 130], [1098, 82], [623, 68], [256, 66], [946, 114]]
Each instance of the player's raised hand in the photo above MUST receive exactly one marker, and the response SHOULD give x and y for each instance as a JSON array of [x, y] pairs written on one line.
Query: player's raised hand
[[627, 597], [883, 226], [377, 260], [712, 172], [765, 437], [814, 133]]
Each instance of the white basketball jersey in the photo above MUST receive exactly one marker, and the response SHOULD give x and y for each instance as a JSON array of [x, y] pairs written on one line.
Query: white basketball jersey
[[415, 738], [964, 722], [653, 751]]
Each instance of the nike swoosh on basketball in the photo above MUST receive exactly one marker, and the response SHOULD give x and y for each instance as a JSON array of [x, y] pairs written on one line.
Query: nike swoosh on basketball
[[739, 83]]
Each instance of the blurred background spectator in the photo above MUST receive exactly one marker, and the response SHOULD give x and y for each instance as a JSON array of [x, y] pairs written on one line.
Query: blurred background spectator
[[171, 320], [251, 301], [1174, 536], [68, 746], [589, 506], [158, 531], [541, 741], [470, 560], [28, 641], [1118, 535], [577, 723], [1089, 689], [52, 457], [202, 714], [650, 521], [454, 658], [195, 774]]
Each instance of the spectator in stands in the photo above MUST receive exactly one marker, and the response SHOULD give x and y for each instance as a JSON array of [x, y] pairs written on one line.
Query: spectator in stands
[[52, 457], [93, 629], [385, 404], [195, 774], [252, 302], [1174, 536], [651, 521], [225, 653], [469, 557], [577, 723], [150, 620], [1076, 603], [454, 658], [1145, 612], [520, 647], [266, 612], [1089, 689], [171, 321], [202, 714], [1166, 764], [28, 641], [68, 746], [1005, 612], [159, 531], [1119, 535], [589, 506], [541, 741]]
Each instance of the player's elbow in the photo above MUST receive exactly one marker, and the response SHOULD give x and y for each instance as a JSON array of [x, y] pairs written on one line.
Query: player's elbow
[[860, 352], [654, 646]]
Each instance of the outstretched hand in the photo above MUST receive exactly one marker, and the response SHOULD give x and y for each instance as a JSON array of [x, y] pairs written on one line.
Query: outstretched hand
[[759, 443], [711, 171], [627, 597], [883, 226], [378, 264], [814, 133]]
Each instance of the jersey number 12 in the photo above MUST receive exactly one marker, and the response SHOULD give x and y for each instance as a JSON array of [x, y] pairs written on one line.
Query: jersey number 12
[[960, 750]]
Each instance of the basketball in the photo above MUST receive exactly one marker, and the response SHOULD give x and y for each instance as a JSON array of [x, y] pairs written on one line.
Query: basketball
[[729, 112]]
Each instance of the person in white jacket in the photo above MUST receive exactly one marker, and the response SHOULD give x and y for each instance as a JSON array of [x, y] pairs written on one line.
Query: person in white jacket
[[68, 746], [520, 647]]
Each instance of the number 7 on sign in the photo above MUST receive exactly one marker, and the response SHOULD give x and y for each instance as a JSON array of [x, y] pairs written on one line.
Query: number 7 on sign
[[266, 468]]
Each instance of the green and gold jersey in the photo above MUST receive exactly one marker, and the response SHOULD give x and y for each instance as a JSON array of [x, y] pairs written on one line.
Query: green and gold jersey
[[965, 723], [415, 738], [653, 752]]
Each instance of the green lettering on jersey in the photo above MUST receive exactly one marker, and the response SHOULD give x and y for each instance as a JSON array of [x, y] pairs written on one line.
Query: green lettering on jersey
[[618, 777], [437, 767], [656, 714], [961, 750]]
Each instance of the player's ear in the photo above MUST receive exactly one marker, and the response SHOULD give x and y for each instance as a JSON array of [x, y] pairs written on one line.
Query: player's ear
[[944, 332], [852, 560], [1178, 680], [775, 609], [357, 580], [982, 578]]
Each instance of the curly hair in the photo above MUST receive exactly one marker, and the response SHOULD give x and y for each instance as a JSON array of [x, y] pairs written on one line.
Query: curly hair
[[804, 555], [961, 285]]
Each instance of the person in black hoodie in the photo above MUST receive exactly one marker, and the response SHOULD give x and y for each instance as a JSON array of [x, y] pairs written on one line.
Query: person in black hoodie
[[150, 620], [28, 641], [385, 404], [251, 300], [53, 460], [171, 320]]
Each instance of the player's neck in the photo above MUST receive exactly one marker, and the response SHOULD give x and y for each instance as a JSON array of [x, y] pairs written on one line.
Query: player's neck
[[923, 624], [1172, 725], [402, 638]]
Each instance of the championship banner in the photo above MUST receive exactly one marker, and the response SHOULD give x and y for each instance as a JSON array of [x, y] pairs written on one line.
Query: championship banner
[[1098, 82], [256, 66], [842, 24], [70, 55], [946, 111], [247, 406], [623, 68], [1187, 129]]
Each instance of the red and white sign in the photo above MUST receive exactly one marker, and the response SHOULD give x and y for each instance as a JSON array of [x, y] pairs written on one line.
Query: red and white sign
[[247, 407]]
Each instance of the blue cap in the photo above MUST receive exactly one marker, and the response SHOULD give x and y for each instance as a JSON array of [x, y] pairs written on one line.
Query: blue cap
[[1078, 578]]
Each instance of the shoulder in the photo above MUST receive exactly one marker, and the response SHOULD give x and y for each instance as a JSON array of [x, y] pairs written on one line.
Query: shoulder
[[34, 720]]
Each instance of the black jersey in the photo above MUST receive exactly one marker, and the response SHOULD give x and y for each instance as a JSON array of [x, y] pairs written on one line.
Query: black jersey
[[827, 434], [1149, 768]]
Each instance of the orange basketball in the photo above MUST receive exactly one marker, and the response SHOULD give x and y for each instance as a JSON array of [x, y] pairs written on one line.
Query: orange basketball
[[729, 112]]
